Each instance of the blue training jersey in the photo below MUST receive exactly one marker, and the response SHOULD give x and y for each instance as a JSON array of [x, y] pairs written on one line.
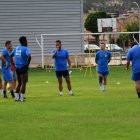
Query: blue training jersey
[[102, 58], [6, 54], [60, 60], [20, 54], [133, 55]]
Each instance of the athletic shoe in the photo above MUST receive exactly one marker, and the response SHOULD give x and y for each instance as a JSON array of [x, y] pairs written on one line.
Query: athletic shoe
[[16, 100], [71, 94], [22, 100], [61, 94], [5, 96]]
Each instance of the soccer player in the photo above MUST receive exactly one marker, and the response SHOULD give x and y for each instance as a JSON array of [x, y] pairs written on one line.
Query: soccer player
[[61, 57], [13, 68], [133, 56], [102, 59], [6, 69], [0, 81], [22, 58]]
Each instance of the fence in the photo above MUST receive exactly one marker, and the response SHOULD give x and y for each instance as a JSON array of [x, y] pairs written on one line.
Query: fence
[[79, 60]]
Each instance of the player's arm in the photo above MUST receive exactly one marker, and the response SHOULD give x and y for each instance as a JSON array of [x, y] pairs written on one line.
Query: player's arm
[[128, 58], [109, 58], [3, 59], [29, 59], [28, 53], [69, 62], [127, 64], [68, 59], [96, 58], [54, 53]]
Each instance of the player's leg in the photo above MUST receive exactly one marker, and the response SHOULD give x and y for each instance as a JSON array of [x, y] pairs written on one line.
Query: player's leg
[[105, 82], [10, 81], [17, 94], [136, 78], [60, 86], [0, 82], [137, 85], [68, 82], [24, 79], [69, 86], [59, 78], [4, 85], [14, 80], [12, 88], [105, 74], [7, 76], [100, 76]]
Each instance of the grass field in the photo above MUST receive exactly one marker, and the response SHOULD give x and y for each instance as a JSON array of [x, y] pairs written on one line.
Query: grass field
[[89, 115]]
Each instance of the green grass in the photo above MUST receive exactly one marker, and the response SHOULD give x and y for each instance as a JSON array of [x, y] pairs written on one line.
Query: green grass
[[89, 115]]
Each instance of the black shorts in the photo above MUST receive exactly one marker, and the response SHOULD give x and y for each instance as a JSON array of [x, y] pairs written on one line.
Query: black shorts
[[64, 73], [22, 70]]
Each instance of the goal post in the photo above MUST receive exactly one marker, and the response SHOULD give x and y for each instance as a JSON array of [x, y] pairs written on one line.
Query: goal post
[[47, 41]]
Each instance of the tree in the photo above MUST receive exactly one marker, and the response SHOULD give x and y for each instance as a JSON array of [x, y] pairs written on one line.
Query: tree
[[91, 22], [130, 27]]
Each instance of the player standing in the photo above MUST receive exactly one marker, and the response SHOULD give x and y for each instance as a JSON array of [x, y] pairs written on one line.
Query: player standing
[[61, 57], [102, 58], [133, 56], [13, 68], [6, 69], [22, 58]]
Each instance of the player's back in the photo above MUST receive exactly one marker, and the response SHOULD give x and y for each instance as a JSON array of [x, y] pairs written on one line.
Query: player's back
[[21, 56]]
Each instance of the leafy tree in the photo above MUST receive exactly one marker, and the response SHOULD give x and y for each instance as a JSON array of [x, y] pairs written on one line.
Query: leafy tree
[[91, 22], [130, 27]]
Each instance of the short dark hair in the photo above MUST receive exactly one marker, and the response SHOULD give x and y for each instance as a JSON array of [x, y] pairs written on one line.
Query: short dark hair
[[102, 43], [58, 41], [7, 42], [23, 40]]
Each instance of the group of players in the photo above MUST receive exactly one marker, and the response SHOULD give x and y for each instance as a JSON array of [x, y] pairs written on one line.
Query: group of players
[[103, 57], [15, 63], [61, 57]]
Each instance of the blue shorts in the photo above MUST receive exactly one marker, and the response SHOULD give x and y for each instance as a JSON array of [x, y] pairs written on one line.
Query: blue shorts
[[136, 76], [64, 73], [7, 74], [103, 73]]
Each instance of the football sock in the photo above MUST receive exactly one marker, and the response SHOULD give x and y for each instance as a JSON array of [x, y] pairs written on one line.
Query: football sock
[[100, 79], [138, 94], [70, 92], [12, 94], [61, 93], [4, 94], [21, 97], [101, 86], [104, 87], [16, 96]]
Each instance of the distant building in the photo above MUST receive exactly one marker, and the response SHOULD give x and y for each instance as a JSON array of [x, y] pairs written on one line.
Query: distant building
[[34, 17]]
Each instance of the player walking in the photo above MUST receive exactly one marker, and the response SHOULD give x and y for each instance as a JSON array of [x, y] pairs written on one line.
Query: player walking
[[102, 58]]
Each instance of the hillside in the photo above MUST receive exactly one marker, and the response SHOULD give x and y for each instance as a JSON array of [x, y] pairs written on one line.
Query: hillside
[[119, 6]]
